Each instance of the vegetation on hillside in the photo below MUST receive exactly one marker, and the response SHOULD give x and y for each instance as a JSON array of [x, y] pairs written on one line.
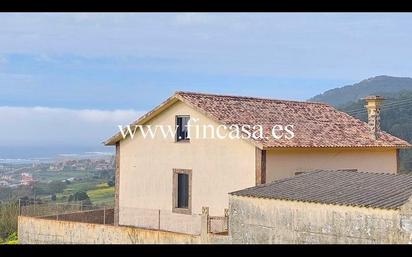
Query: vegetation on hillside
[[386, 85], [8, 221], [396, 119], [396, 113], [103, 193], [91, 188]]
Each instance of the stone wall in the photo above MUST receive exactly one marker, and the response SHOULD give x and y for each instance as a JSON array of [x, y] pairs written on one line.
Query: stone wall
[[45, 231], [251, 221], [268, 221]]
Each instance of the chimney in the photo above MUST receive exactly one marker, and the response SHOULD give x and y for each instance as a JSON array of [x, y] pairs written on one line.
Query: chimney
[[373, 104]]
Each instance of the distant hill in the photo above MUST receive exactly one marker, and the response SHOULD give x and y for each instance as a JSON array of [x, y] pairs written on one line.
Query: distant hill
[[396, 118], [383, 85], [396, 111]]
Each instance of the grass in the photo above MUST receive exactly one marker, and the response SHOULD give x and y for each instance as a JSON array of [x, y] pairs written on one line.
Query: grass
[[101, 193], [8, 222], [85, 185], [11, 239], [12, 242], [97, 190]]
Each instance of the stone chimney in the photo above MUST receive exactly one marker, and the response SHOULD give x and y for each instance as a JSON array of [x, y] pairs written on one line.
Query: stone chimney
[[373, 104]]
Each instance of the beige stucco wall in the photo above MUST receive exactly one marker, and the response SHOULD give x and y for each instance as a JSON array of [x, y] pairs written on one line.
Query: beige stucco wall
[[270, 221], [284, 163], [146, 168]]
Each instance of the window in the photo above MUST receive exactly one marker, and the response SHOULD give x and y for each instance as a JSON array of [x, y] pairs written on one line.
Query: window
[[182, 131], [182, 190], [182, 186]]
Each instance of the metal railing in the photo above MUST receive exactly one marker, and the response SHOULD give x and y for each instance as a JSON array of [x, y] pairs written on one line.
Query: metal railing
[[78, 212], [155, 219], [160, 219], [218, 224]]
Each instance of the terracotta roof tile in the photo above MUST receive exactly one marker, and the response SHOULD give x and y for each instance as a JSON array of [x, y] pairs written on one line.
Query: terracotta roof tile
[[315, 124]]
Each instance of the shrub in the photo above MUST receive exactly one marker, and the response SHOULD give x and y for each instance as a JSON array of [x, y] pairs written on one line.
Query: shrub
[[81, 196], [8, 219], [12, 239]]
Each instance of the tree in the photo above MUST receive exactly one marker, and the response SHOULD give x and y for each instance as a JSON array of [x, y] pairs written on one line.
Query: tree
[[81, 196], [57, 187]]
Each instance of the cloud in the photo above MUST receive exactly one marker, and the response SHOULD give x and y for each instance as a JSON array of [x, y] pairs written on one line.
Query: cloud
[[43, 126], [277, 44]]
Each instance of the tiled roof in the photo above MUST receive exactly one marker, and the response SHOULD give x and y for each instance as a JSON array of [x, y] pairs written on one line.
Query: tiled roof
[[352, 188], [315, 124]]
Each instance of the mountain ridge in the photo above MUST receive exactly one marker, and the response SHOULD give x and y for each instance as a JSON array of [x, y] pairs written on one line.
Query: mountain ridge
[[379, 85]]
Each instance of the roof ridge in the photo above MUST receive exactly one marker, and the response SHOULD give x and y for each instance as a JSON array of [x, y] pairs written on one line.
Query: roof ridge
[[332, 171], [363, 172], [249, 97], [390, 191], [279, 180], [378, 173]]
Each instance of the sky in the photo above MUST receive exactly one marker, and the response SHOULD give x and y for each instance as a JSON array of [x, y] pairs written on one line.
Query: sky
[[68, 79]]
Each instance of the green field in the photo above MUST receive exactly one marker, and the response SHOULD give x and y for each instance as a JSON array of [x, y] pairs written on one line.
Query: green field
[[46, 176], [97, 190], [92, 182], [102, 194]]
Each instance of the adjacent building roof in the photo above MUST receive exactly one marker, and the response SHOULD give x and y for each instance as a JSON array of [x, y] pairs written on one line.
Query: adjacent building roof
[[341, 187], [315, 124]]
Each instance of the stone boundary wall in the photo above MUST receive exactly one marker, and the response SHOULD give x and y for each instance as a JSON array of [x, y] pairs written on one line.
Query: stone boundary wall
[[269, 221], [251, 221], [45, 231]]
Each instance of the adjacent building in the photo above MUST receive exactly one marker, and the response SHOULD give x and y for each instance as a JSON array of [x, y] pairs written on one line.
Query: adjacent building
[[338, 207]]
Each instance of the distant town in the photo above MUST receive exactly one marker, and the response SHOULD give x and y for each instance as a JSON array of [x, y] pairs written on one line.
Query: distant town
[[15, 175]]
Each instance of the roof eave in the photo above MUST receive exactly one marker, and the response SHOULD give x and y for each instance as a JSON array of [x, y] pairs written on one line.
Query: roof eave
[[143, 119], [348, 146]]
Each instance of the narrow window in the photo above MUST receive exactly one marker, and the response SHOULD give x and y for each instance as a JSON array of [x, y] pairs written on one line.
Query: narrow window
[[182, 131], [182, 179], [182, 190]]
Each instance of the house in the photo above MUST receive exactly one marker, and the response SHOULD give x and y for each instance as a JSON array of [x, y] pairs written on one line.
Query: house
[[339, 207], [26, 179], [176, 176]]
